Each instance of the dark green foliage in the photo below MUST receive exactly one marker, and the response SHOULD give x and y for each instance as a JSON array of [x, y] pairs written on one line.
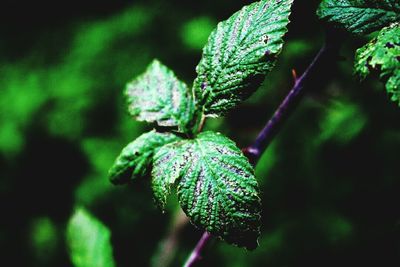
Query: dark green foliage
[[215, 184], [135, 159], [360, 16], [239, 53], [382, 55], [158, 96], [329, 182]]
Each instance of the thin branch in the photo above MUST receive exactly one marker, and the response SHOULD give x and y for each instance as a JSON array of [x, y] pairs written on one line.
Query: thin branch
[[196, 253], [327, 54], [167, 249], [202, 123]]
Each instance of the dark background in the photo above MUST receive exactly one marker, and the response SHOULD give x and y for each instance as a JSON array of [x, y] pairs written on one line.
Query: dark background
[[330, 180]]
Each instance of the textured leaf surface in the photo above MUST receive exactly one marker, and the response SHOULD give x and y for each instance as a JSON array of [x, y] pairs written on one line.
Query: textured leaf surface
[[215, 184], [239, 53], [360, 16], [136, 157], [158, 96], [382, 55], [89, 241]]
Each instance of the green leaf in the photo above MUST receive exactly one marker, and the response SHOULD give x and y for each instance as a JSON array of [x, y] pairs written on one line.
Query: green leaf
[[382, 55], [215, 184], [136, 157], [88, 241], [158, 96], [239, 53], [360, 16], [341, 122]]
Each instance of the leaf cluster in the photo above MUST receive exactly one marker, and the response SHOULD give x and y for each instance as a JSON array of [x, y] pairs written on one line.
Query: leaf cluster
[[214, 181], [382, 54]]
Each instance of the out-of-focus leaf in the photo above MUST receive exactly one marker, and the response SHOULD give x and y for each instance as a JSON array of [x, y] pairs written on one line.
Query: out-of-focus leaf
[[136, 157], [341, 122], [89, 241], [360, 16], [44, 238], [195, 32], [382, 55], [215, 184], [239, 53], [158, 96]]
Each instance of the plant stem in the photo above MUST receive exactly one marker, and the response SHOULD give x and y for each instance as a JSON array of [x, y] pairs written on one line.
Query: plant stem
[[267, 134], [202, 123], [166, 252], [326, 54], [196, 253]]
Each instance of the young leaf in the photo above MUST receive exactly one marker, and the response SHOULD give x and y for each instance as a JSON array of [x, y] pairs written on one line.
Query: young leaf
[[215, 184], [360, 16], [382, 55], [89, 241], [135, 158], [239, 53], [158, 96]]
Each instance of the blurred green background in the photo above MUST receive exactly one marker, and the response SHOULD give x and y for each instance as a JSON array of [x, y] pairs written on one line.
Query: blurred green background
[[330, 180]]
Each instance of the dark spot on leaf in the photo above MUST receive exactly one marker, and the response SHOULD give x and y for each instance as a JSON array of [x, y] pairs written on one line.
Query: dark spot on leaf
[[269, 56], [389, 45], [266, 39], [230, 197], [203, 85], [370, 68]]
